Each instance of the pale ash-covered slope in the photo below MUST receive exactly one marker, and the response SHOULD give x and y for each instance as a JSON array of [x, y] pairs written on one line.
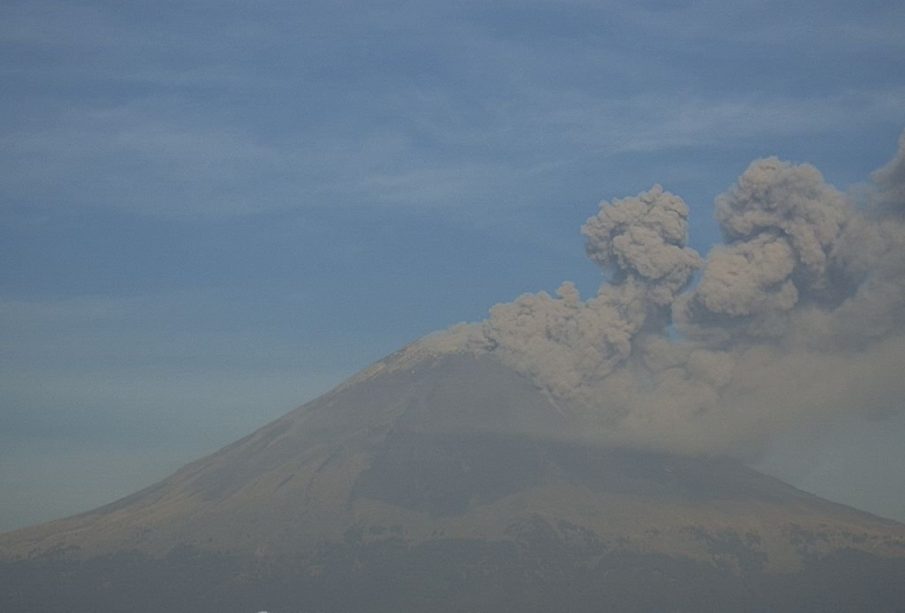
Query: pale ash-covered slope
[[437, 445]]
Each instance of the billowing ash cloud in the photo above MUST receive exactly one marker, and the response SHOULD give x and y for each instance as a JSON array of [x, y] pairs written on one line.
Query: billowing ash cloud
[[890, 181], [798, 316], [565, 343], [780, 223], [644, 238]]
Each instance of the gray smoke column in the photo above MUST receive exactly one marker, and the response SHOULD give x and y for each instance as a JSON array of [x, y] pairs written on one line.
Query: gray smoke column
[[644, 238], [567, 344], [799, 316]]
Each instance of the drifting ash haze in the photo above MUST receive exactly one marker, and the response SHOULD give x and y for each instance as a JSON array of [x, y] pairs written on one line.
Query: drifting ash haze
[[796, 318]]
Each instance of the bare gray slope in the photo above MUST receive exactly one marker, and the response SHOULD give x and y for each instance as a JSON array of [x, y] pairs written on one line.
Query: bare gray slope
[[436, 481], [300, 469], [455, 445]]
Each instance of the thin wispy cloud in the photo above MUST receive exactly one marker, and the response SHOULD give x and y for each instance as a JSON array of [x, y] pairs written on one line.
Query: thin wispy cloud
[[427, 106]]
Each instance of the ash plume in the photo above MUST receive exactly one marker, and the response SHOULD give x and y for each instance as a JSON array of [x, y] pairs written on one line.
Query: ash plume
[[797, 317]]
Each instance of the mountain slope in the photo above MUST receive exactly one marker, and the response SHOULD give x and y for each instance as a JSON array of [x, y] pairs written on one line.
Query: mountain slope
[[435, 477]]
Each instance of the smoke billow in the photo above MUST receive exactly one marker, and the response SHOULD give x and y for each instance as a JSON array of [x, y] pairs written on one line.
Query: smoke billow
[[798, 316], [643, 238]]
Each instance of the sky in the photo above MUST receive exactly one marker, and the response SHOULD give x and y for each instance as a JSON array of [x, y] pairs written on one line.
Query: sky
[[211, 212]]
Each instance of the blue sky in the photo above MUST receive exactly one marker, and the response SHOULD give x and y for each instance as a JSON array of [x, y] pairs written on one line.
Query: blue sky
[[211, 212]]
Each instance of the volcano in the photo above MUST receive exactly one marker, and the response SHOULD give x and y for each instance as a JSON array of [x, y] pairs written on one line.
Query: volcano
[[444, 480]]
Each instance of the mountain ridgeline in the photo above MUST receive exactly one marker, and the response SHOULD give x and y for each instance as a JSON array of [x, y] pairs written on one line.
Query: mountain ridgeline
[[447, 481]]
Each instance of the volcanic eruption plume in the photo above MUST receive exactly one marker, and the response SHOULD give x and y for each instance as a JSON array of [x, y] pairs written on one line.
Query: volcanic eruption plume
[[797, 317], [563, 455]]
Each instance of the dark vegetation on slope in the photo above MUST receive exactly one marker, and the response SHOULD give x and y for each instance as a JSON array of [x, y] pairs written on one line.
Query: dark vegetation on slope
[[536, 573]]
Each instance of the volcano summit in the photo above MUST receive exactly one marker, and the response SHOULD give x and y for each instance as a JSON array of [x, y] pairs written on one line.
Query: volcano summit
[[564, 455], [409, 488]]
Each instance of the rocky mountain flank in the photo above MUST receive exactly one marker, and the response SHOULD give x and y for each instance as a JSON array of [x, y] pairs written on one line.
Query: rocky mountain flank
[[447, 481]]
